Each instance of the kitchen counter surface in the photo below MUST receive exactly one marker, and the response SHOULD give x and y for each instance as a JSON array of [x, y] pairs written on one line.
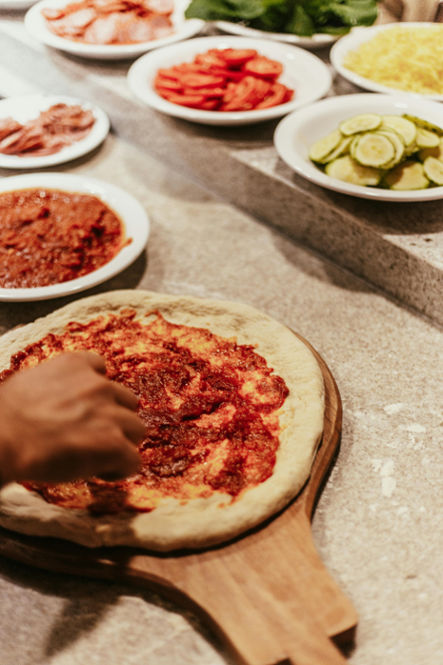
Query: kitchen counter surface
[[398, 247], [376, 525]]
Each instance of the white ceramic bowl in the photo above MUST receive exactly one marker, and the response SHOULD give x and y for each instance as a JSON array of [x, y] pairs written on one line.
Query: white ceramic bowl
[[9, 5], [27, 107], [302, 71], [128, 209], [317, 40], [36, 25], [354, 40], [296, 133]]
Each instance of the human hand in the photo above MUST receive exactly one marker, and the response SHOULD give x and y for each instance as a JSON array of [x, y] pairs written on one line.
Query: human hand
[[63, 420]]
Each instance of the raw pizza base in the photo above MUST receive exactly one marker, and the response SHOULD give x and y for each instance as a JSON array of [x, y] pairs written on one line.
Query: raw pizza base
[[203, 521]]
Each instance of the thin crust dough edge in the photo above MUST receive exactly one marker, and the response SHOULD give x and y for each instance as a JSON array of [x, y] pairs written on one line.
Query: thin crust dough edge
[[200, 522]]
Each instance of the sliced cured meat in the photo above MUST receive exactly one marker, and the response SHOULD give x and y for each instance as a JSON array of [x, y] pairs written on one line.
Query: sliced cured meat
[[27, 138], [133, 29], [8, 126], [66, 118], [52, 130], [74, 23], [104, 30], [160, 6], [112, 22], [52, 14], [161, 27]]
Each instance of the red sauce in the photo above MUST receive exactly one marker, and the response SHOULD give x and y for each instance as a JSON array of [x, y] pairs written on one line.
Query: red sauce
[[209, 404], [51, 236]]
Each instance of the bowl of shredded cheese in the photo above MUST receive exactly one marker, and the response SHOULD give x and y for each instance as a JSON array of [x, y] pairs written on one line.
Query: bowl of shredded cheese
[[395, 57]]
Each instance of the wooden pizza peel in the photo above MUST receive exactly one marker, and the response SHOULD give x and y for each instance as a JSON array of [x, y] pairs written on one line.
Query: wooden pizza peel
[[267, 595]]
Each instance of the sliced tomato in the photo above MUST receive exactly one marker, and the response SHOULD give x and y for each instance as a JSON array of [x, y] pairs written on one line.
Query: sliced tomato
[[277, 95], [210, 59], [263, 67], [206, 92], [184, 100], [246, 94], [197, 80], [209, 104], [224, 80], [229, 95], [170, 73], [167, 83], [189, 67], [165, 92], [235, 57], [229, 74]]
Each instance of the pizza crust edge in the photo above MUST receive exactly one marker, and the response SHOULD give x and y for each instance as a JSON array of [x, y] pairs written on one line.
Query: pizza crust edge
[[205, 521]]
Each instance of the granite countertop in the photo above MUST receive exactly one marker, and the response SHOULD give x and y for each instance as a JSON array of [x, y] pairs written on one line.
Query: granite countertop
[[398, 247], [376, 524]]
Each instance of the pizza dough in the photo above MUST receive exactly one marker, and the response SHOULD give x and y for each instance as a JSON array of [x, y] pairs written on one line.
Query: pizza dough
[[197, 522]]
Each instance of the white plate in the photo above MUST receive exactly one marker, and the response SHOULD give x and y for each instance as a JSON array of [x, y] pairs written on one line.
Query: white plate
[[296, 133], [16, 4], [316, 41], [354, 40], [302, 71], [129, 210], [27, 107], [37, 27]]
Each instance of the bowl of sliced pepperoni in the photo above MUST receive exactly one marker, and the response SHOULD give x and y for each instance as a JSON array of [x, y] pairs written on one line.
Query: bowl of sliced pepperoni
[[228, 80]]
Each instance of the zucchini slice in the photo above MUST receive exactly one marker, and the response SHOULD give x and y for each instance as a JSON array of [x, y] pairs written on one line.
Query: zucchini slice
[[321, 149], [433, 169], [347, 169], [341, 149], [410, 149], [436, 152], [426, 138], [404, 127], [373, 149], [360, 123], [424, 124], [409, 175], [398, 145]]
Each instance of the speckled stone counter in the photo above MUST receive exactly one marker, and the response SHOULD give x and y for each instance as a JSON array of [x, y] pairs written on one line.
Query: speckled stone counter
[[376, 526], [377, 523], [398, 247]]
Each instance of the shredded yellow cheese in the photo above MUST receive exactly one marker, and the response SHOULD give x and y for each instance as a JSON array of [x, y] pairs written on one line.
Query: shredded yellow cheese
[[408, 59]]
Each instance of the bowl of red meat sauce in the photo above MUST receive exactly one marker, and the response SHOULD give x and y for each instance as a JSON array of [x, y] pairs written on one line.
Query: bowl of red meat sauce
[[228, 80], [110, 29], [61, 233]]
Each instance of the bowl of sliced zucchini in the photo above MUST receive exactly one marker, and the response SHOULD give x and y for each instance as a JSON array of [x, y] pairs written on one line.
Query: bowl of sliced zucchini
[[375, 146]]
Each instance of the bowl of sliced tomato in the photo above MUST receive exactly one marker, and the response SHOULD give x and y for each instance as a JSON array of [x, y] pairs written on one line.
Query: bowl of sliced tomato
[[228, 80]]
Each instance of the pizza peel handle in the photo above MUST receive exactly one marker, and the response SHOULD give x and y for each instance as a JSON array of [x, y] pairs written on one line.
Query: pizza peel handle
[[267, 595]]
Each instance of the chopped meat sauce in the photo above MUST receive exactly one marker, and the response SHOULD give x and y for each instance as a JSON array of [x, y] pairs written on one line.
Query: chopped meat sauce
[[210, 407], [50, 236]]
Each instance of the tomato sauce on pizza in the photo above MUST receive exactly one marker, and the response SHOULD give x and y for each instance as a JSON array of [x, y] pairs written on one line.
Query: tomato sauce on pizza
[[210, 407], [51, 236]]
